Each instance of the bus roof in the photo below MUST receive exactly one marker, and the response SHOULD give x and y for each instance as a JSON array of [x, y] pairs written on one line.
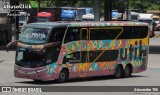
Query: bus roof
[[107, 23], [85, 24]]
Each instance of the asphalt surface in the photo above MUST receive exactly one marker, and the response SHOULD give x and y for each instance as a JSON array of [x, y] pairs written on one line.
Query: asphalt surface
[[151, 77]]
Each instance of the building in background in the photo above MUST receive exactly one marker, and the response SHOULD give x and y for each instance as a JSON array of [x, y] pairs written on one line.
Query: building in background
[[6, 29]]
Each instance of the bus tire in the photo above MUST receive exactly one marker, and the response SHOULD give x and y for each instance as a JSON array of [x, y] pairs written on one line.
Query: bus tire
[[118, 71], [63, 76], [127, 71]]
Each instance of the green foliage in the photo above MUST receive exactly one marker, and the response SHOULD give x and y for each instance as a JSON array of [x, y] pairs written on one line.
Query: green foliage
[[84, 3], [133, 4], [145, 4]]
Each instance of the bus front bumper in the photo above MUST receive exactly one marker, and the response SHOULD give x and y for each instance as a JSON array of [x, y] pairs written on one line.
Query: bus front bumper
[[39, 73]]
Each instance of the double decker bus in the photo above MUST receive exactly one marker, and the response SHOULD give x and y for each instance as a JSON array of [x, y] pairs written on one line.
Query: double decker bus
[[52, 50]]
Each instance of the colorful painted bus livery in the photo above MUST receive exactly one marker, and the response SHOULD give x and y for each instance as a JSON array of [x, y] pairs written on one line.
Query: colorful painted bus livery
[[81, 49]]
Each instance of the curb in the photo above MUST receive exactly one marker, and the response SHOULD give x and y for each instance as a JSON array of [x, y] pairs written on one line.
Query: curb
[[2, 47]]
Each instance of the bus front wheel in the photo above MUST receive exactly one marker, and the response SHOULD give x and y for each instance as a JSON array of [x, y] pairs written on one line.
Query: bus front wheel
[[118, 71], [63, 76], [127, 71]]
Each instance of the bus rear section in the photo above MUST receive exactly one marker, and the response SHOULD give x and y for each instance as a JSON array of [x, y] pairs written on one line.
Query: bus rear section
[[82, 49]]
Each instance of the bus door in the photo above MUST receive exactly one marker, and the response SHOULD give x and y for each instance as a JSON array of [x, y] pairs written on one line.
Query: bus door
[[76, 45]]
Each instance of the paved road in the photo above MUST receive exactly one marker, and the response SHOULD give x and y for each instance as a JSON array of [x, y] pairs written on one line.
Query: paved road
[[148, 78]]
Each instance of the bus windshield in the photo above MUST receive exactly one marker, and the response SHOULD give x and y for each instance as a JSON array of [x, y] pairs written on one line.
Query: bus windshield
[[27, 58], [34, 35]]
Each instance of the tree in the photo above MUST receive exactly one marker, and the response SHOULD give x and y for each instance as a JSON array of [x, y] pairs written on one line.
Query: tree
[[145, 4], [133, 4]]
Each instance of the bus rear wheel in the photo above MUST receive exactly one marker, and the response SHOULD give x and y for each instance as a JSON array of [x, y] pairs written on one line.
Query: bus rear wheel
[[118, 72], [63, 76], [127, 71]]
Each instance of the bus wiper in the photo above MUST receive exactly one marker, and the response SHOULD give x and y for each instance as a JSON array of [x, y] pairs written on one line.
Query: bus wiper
[[40, 51], [11, 44]]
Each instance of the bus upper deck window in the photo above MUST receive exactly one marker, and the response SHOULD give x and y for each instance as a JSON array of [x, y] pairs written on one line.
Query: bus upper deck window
[[73, 34]]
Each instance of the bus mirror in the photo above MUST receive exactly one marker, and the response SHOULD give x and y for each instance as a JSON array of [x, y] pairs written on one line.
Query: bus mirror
[[11, 44], [42, 50]]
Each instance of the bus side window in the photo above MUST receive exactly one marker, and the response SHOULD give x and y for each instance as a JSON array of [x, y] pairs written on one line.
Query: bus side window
[[73, 34], [68, 37], [51, 37], [57, 34], [134, 32], [84, 34], [98, 34], [126, 33]]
